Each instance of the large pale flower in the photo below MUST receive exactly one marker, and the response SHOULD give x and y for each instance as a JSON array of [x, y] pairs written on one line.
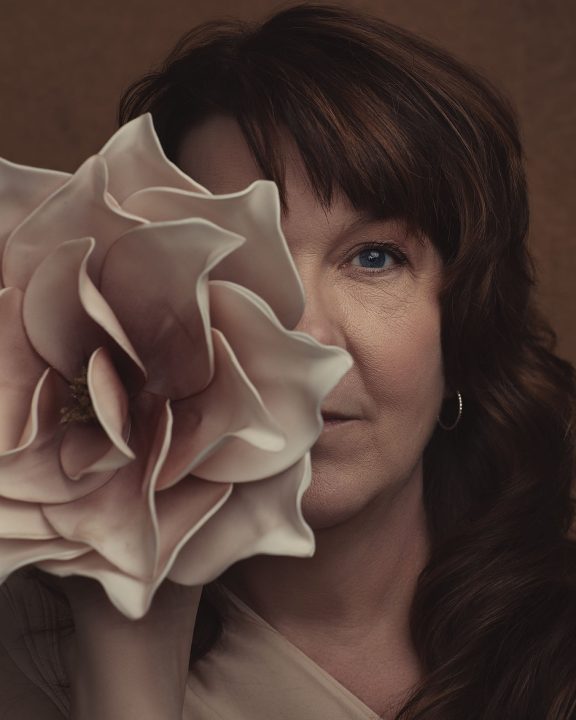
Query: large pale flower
[[156, 409]]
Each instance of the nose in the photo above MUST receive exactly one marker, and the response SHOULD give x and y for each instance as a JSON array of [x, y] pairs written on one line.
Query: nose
[[320, 316]]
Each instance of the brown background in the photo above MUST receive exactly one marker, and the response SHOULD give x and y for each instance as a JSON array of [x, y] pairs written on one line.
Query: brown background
[[64, 63]]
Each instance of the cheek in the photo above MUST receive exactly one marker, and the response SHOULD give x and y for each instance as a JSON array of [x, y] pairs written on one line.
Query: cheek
[[403, 366], [400, 378]]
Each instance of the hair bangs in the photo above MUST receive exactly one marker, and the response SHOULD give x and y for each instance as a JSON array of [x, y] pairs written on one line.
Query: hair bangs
[[373, 166], [357, 133], [349, 140]]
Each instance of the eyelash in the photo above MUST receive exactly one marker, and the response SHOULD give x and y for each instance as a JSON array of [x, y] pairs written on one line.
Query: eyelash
[[390, 249]]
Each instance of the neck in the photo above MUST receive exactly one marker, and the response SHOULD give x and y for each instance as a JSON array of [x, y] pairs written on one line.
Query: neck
[[361, 577]]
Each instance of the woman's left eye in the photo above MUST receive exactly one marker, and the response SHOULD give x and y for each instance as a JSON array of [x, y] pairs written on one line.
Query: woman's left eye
[[375, 254]]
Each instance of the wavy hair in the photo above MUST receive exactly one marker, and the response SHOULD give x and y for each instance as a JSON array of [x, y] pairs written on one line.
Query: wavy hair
[[405, 130]]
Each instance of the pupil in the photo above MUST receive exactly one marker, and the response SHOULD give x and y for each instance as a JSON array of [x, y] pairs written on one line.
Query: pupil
[[374, 256]]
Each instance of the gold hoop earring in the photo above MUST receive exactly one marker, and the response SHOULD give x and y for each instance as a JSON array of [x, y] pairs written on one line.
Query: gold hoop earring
[[451, 427]]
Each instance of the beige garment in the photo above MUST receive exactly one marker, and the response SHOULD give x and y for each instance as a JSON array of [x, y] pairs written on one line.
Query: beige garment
[[253, 673]]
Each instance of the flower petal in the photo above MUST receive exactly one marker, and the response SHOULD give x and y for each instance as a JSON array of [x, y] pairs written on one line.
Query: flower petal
[[116, 519], [85, 448], [259, 518], [32, 472], [20, 370], [22, 189], [15, 554], [227, 423], [292, 377], [23, 521], [136, 160], [182, 511], [171, 335], [66, 318], [110, 400], [264, 263], [255, 518], [131, 596], [78, 209]]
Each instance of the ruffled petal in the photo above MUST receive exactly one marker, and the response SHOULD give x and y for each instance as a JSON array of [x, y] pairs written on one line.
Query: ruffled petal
[[259, 518], [133, 371], [136, 160], [23, 521], [181, 511], [22, 189], [85, 449], [117, 519], [130, 595], [20, 370], [78, 209], [110, 401], [66, 318], [227, 423], [264, 263], [292, 378], [168, 318], [55, 321], [32, 472], [15, 554], [254, 518]]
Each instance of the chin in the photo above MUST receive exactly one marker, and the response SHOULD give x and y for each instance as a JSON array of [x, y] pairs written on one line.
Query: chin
[[338, 495], [327, 505]]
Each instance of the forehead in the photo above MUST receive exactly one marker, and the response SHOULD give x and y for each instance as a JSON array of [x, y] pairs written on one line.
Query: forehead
[[216, 155]]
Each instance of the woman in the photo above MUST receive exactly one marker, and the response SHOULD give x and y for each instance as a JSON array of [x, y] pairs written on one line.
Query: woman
[[443, 583]]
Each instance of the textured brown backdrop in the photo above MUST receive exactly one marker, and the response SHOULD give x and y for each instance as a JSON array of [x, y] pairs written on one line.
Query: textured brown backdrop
[[64, 63]]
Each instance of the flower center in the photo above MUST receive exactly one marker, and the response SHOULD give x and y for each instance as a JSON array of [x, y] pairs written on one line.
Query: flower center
[[81, 409]]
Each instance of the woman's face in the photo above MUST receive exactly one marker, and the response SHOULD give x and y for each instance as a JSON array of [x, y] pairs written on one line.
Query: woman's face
[[384, 313]]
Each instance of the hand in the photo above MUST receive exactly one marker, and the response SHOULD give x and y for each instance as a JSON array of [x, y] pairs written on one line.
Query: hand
[[121, 669]]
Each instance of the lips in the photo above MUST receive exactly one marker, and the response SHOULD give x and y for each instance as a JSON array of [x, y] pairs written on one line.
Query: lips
[[332, 417]]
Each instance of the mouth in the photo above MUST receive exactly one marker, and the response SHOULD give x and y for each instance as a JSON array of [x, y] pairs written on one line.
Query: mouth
[[334, 421], [335, 417]]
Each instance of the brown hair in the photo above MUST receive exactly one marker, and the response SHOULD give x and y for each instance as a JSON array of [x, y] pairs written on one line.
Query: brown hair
[[405, 130]]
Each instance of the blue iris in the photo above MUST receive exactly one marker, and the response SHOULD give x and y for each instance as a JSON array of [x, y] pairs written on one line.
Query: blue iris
[[372, 258]]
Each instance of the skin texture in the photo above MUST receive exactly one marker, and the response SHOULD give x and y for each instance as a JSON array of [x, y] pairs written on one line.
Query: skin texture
[[121, 668], [347, 606]]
